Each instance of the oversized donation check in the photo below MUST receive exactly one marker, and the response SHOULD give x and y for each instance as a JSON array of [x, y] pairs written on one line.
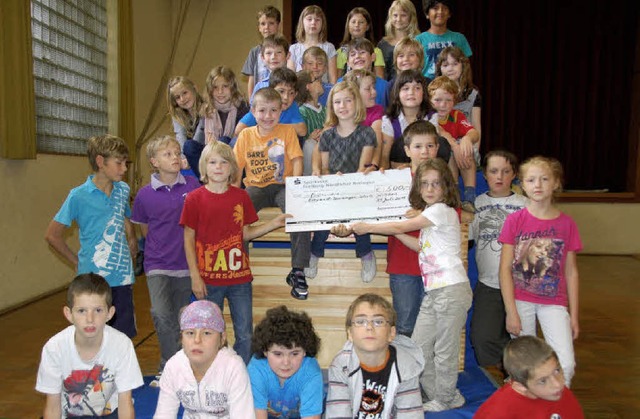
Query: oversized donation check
[[319, 203]]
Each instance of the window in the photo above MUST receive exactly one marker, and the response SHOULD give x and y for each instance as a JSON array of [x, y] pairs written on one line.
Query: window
[[70, 45]]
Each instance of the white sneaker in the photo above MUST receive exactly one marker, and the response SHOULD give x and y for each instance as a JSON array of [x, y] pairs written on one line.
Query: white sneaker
[[457, 401], [312, 271], [434, 406], [368, 271]]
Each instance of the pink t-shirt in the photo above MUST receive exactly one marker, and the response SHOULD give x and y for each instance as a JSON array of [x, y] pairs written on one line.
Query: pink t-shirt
[[540, 254], [373, 114]]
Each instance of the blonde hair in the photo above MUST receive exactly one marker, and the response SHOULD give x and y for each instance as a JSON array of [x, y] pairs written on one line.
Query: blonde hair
[[548, 163], [311, 10], [373, 300], [356, 76], [408, 7], [184, 118], [228, 76], [352, 88], [160, 143], [405, 44], [107, 146], [224, 151]]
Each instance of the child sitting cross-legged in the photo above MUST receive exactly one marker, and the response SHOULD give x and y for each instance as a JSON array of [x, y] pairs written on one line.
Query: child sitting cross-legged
[[286, 379], [376, 372]]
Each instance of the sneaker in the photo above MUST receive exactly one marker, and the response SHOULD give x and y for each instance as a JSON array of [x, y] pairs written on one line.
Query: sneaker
[[368, 271], [156, 381], [469, 207], [457, 401], [312, 271], [434, 406], [298, 284]]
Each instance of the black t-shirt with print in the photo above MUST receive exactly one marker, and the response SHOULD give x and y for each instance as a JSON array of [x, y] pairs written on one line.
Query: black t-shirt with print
[[374, 389]]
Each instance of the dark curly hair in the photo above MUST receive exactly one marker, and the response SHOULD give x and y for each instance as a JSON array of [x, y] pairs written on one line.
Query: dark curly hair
[[285, 328]]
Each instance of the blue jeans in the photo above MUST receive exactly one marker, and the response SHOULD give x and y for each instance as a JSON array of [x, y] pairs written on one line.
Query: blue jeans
[[192, 151], [363, 243], [407, 292], [168, 295], [241, 308]]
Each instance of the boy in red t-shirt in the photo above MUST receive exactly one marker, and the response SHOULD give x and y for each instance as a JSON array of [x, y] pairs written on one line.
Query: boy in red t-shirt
[[536, 388], [461, 135]]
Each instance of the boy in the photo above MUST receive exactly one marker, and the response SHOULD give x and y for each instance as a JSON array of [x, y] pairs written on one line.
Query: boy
[[274, 54], [437, 37], [284, 81], [286, 379], [89, 368], [157, 209], [536, 388], [254, 68], [376, 372], [315, 60], [361, 56], [100, 208], [269, 153], [461, 135], [488, 332]]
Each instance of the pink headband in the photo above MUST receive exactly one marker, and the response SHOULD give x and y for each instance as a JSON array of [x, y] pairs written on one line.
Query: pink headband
[[202, 314]]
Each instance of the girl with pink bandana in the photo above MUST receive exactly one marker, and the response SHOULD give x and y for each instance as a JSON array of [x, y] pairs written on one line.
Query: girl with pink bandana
[[206, 377]]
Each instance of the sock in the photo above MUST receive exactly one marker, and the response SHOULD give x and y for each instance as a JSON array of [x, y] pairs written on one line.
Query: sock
[[469, 194]]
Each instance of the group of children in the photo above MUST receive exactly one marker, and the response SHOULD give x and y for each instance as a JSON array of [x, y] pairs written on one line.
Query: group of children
[[399, 359]]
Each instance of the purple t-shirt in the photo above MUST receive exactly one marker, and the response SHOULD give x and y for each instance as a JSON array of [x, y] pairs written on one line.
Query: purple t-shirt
[[540, 254], [159, 206]]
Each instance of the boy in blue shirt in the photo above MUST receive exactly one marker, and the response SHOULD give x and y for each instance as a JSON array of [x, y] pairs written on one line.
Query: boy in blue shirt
[[100, 208], [361, 56], [438, 37], [286, 379]]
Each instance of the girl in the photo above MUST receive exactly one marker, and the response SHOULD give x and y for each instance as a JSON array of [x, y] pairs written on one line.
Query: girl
[[224, 105], [358, 25], [184, 103], [402, 21], [447, 292], [206, 368], [366, 82], [218, 263], [286, 379], [455, 65], [409, 103], [538, 269], [309, 91], [312, 32], [345, 147]]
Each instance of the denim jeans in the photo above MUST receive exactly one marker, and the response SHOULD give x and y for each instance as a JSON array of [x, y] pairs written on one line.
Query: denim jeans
[[241, 308], [168, 295], [442, 316], [192, 151], [407, 292], [363, 243]]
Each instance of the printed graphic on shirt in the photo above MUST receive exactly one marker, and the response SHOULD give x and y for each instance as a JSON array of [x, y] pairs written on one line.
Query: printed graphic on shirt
[[431, 270], [373, 396], [215, 404], [490, 225], [432, 52], [112, 252], [87, 392], [266, 164], [225, 259], [536, 263], [284, 408]]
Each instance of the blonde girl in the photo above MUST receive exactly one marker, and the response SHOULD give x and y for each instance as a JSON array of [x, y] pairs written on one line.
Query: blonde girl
[[402, 21], [358, 25], [184, 103], [456, 66], [205, 366], [345, 146], [366, 82], [447, 298], [538, 268], [224, 105], [312, 32]]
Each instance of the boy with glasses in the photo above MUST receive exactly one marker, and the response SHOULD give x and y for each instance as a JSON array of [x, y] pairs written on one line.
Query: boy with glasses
[[376, 372]]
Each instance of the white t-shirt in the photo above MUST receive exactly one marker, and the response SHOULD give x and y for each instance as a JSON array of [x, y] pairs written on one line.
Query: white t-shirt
[[88, 388], [439, 257], [485, 230]]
